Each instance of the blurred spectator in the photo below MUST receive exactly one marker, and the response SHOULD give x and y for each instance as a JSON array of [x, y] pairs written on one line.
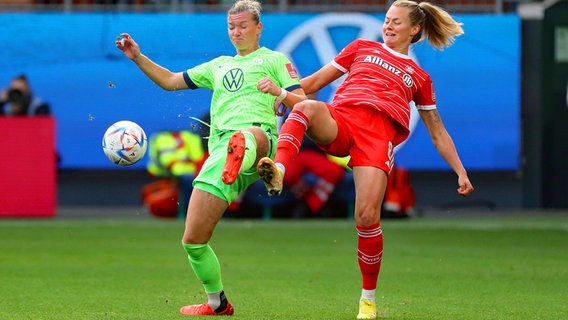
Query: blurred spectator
[[176, 158], [18, 100], [175, 154], [198, 2], [399, 196], [312, 177]]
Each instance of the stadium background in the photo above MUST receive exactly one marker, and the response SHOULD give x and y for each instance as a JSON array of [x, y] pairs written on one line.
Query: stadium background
[[501, 88]]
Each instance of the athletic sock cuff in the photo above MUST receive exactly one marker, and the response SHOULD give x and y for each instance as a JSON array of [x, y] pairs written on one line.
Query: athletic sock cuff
[[373, 226], [194, 249]]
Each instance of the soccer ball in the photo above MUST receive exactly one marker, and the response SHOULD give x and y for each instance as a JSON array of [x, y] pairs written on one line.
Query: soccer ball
[[125, 143]]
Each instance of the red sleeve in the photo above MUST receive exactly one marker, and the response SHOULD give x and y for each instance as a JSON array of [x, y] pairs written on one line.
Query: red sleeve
[[425, 95], [345, 58]]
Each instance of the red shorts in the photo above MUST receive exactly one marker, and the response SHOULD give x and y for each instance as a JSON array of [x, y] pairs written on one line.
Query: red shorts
[[365, 134]]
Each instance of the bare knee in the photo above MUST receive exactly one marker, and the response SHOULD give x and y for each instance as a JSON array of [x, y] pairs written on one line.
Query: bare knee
[[261, 142], [191, 237], [309, 107], [367, 215]]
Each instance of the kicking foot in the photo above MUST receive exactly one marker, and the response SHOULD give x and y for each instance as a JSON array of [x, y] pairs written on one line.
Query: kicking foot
[[235, 156], [205, 310], [270, 175]]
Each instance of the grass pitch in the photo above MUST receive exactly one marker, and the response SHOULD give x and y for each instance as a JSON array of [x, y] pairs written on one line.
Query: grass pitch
[[444, 268]]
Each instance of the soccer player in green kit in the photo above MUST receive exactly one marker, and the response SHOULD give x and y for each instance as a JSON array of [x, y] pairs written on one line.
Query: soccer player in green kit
[[243, 130]]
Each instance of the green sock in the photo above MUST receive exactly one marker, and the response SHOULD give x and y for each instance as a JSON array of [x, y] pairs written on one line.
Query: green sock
[[250, 151], [205, 265]]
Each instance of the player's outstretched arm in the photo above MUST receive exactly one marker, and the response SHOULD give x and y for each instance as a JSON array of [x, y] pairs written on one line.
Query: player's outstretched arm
[[445, 146], [321, 78], [310, 85], [161, 76]]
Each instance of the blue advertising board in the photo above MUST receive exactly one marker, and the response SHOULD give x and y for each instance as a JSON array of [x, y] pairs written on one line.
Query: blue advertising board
[[73, 64]]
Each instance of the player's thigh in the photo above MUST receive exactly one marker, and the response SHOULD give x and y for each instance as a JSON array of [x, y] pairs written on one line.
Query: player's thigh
[[322, 127]]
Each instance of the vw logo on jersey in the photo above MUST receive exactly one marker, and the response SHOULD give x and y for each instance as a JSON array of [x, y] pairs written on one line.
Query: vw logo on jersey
[[233, 79], [317, 31]]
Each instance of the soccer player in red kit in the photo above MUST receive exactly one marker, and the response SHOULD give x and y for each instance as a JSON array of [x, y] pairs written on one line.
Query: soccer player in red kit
[[368, 117]]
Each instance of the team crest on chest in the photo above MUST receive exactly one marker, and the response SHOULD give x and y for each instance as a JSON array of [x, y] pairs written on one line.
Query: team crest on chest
[[233, 80]]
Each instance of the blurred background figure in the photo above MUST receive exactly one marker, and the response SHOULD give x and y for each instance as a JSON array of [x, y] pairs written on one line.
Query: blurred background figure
[[399, 196], [18, 100], [175, 157], [312, 177]]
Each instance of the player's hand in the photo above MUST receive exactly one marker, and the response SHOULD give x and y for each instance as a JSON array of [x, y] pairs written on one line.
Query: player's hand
[[268, 86], [130, 48], [465, 186], [279, 108]]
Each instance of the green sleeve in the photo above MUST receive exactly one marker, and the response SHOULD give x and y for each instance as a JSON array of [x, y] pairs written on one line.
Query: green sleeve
[[201, 75], [285, 74]]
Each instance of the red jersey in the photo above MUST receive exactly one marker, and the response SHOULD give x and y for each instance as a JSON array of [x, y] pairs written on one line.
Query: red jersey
[[383, 79]]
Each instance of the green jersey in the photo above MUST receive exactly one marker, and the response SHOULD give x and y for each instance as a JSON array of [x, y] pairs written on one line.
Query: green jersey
[[236, 102]]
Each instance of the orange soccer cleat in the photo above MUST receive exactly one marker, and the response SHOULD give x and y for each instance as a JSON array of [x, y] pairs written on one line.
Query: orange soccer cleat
[[205, 310], [235, 156]]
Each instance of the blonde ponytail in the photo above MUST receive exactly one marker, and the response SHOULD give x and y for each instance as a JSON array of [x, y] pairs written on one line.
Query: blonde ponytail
[[436, 25]]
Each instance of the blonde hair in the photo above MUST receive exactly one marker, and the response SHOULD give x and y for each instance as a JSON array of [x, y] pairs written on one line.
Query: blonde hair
[[251, 6], [436, 25]]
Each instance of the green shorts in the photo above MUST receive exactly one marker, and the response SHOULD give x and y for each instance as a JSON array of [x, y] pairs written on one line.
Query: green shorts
[[209, 178]]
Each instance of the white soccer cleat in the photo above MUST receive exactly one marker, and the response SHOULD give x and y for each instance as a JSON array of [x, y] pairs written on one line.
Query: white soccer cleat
[[271, 176]]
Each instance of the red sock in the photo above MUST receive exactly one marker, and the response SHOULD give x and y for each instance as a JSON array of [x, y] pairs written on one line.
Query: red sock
[[370, 252], [290, 137]]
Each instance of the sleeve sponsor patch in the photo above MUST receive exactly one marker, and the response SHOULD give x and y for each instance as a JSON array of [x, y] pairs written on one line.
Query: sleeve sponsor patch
[[292, 71]]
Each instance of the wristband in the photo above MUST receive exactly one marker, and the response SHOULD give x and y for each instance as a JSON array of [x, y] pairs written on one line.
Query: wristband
[[283, 94]]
